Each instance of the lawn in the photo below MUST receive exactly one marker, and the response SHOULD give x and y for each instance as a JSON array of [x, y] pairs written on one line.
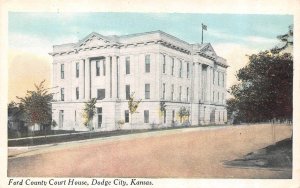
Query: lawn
[[60, 135]]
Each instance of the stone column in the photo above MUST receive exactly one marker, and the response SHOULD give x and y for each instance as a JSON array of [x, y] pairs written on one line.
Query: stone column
[[211, 84], [81, 79], [87, 78], [114, 77], [208, 83], [107, 78], [200, 82]]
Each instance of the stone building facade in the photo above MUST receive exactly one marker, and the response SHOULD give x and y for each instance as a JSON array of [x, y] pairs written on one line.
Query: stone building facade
[[154, 65]]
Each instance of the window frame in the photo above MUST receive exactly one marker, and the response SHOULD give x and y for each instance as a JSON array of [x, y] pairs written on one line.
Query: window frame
[[126, 116], [147, 92], [127, 65], [164, 91], [77, 93], [164, 64], [187, 69], [104, 67], [77, 69], [127, 92], [180, 69], [180, 92], [62, 71], [172, 67], [187, 94], [146, 116], [99, 97], [99, 114], [97, 68], [147, 63], [62, 94]]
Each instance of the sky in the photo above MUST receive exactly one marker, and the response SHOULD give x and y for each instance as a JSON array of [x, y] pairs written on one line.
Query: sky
[[32, 35]]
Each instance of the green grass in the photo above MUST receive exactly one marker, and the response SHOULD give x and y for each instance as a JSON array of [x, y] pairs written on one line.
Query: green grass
[[85, 135]]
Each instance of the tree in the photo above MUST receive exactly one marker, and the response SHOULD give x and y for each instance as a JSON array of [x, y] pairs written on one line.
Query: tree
[[89, 112], [162, 108], [265, 85], [132, 106], [37, 105], [183, 113], [265, 88], [285, 39]]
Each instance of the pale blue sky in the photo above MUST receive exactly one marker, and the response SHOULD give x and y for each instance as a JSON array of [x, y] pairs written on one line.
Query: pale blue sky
[[254, 31], [233, 36]]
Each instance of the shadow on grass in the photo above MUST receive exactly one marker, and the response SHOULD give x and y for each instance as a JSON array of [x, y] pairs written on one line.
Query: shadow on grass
[[276, 157]]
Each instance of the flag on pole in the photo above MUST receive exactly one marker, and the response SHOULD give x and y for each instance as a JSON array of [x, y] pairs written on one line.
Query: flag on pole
[[204, 27]]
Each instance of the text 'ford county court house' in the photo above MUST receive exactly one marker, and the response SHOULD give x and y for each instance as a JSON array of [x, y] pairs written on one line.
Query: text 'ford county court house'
[[154, 65]]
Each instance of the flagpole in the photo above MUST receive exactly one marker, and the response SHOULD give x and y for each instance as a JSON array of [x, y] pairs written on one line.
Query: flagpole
[[202, 33]]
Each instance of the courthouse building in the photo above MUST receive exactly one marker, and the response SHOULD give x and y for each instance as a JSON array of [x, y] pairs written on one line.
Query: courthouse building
[[156, 66]]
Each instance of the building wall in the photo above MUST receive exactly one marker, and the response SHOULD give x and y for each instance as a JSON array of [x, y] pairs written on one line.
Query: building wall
[[202, 100]]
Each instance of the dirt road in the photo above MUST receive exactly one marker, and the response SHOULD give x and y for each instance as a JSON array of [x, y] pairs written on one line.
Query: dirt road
[[199, 153]]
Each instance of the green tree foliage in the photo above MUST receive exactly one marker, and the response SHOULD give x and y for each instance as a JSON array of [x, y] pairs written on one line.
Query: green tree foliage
[[37, 105], [133, 106], [89, 112], [162, 106], [183, 113], [16, 111], [285, 39], [265, 88]]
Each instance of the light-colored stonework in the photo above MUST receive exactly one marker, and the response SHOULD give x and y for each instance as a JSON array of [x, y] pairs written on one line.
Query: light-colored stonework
[[203, 84]]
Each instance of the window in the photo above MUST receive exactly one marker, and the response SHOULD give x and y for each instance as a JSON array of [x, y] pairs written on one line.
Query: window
[[104, 67], [99, 114], [127, 92], [62, 94], [187, 70], [62, 71], [77, 93], [100, 94], [218, 78], [126, 116], [173, 116], [172, 68], [146, 116], [180, 69], [147, 91], [77, 70], [187, 94], [218, 97], [164, 64], [165, 116], [164, 91], [180, 93], [213, 96], [97, 68], [172, 91], [147, 63], [61, 118], [127, 65]]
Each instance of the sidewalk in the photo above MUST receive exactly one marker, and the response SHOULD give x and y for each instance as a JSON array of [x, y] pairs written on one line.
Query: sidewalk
[[14, 152]]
